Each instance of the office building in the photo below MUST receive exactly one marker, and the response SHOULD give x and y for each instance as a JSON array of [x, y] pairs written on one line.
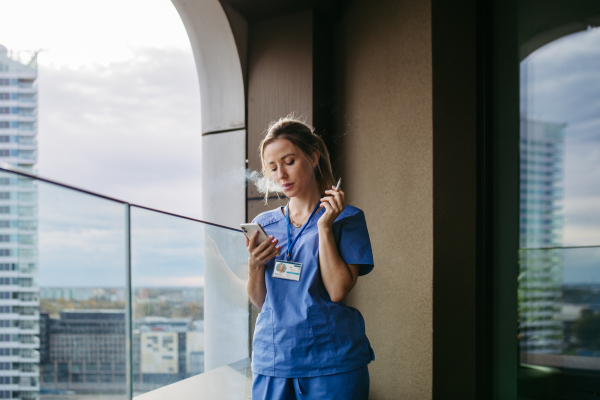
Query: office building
[[541, 271], [166, 350], [86, 351], [19, 302]]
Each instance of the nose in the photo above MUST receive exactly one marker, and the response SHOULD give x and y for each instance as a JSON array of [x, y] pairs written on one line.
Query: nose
[[281, 173]]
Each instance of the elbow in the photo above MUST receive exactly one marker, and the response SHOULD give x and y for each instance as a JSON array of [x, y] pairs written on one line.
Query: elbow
[[257, 304], [338, 295], [337, 299]]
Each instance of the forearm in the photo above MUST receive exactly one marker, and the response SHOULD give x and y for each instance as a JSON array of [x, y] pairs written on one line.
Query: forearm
[[337, 276], [256, 287]]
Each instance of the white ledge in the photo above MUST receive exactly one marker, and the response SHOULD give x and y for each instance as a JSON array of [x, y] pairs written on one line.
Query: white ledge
[[231, 382]]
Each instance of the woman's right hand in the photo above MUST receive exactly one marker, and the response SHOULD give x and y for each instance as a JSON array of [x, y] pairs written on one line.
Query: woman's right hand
[[259, 255]]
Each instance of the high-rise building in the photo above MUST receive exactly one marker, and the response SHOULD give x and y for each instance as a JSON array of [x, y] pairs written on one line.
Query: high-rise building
[[166, 350], [85, 351], [541, 221], [19, 301]]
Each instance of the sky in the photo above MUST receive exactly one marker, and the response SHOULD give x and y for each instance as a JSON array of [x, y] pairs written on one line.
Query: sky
[[118, 114], [563, 86], [82, 243], [119, 103]]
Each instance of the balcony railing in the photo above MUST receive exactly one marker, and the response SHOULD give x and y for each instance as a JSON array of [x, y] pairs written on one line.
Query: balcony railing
[[119, 276]]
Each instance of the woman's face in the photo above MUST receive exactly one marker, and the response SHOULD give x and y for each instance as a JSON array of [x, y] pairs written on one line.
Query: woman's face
[[290, 168]]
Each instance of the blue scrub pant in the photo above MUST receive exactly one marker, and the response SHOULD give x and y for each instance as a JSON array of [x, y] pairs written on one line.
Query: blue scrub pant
[[351, 385]]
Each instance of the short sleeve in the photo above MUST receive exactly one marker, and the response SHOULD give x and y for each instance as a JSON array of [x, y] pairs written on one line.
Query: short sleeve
[[354, 244]]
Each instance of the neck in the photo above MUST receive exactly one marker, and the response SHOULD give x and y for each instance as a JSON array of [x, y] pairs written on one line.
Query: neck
[[306, 202]]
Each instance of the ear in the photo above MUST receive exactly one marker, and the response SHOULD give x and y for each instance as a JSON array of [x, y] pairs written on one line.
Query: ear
[[315, 158]]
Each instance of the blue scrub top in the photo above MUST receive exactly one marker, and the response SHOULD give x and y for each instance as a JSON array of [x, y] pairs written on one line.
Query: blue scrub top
[[300, 331]]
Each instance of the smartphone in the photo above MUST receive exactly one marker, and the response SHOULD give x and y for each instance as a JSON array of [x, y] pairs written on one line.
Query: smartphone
[[249, 230]]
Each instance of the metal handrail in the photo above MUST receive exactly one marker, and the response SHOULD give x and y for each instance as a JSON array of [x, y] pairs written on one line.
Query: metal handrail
[[4, 166]]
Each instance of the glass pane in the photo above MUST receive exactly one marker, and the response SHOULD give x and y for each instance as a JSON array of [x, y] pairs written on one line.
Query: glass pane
[[189, 303], [62, 289], [559, 280], [560, 142], [559, 314]]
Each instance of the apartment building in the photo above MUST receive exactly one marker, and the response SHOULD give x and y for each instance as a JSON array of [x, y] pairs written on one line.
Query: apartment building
[[19, 301]]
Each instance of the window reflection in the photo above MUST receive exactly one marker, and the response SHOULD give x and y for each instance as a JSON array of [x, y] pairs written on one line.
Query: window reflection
[[559, 279]]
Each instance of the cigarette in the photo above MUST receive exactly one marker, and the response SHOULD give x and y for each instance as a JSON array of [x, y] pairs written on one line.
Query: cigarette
[[338, 185]]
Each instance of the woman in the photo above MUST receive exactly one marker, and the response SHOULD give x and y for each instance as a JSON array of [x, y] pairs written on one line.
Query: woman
[[307, 343]]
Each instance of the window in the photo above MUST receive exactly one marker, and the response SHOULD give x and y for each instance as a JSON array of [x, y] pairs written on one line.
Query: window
[[26, 126], [4, 82], [26, 239], [556, 273], [4, 352], [4, 338], [4, 309], [27, 225], [4, 96], [4, 238], [4, 152], [4, 281], [4, 110], [4, 295], [4, 125], [4, 253], [26, 211], [27, 154], [26, 196]]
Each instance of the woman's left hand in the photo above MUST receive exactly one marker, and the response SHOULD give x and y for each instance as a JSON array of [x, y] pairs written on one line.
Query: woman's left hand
[[334, 204]]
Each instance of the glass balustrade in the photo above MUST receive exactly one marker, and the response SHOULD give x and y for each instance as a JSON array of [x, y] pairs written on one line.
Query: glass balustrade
[[114, 300]]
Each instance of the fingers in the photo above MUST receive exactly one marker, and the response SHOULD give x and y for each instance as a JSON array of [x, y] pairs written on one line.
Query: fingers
[[272, 254], [266, 243], [252, 240], [333, 202], [263, 252], [337, 200], [327, 206]]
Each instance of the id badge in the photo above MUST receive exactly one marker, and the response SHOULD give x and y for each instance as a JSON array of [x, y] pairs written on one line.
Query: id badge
[[287, 270]]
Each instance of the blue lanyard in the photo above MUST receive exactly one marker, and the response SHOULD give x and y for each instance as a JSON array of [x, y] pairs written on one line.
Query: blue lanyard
[[291, 245]]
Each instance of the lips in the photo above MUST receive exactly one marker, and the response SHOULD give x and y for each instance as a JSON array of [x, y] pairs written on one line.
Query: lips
[[287, 186]]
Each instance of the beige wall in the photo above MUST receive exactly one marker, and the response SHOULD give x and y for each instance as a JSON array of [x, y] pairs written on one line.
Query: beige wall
[[383, 133], [280, 82], [384, 83]]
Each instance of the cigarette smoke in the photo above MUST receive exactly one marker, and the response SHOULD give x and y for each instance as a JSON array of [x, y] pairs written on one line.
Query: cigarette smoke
[[262, 182]]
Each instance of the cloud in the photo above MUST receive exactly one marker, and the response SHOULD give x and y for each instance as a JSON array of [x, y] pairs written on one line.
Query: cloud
[[81, 239], [82, 243], [129, 130], [560, 84]]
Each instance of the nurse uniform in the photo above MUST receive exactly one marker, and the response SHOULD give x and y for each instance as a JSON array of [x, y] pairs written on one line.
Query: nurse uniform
[[305, 346]]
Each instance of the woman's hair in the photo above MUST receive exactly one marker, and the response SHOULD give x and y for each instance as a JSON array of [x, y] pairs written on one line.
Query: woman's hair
[[306, 140]]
